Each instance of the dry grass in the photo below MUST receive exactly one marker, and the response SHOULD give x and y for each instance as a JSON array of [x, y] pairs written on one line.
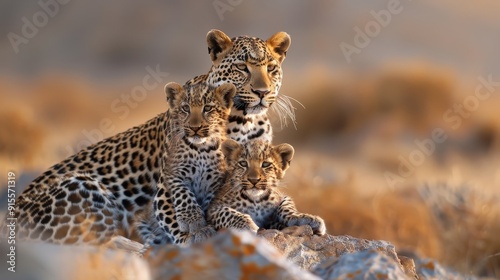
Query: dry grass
[[20, 140], [416, 96], [398, 217], [469, 225], [45, 116], [39, 115], [456, 226]]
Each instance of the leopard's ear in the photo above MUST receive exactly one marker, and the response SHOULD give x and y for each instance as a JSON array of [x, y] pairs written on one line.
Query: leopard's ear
[[230, 149], [173, 92], [285, 152], [225, 94], [279, 44], [218, 44]]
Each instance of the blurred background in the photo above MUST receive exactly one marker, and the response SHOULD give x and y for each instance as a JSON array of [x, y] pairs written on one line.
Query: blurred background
[[397, 130]]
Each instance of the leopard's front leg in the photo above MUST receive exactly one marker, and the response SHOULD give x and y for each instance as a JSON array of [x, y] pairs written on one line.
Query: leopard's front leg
[[168, 219], [226, 217], [188, 212], [288, 215]]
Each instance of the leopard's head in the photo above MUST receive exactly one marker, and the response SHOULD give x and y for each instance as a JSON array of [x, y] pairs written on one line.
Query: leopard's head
[[256, 167], [253, 66], [199, 112]]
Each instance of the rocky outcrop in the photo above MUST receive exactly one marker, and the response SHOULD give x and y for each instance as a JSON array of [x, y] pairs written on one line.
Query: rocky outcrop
[[294, 253], [303, 248], [229, 255], [367, 264]]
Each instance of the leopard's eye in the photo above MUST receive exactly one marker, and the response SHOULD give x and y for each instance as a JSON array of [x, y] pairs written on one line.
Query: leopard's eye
[[185, 108], [243, 163], [208, 108], [266, 164], [242, 67], [271, 67]]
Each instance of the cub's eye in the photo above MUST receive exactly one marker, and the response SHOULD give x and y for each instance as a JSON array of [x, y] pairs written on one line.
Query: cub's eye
[[185, 108], [242, 67], [266, 164], [243, 163], [271, 67], [208, 108]]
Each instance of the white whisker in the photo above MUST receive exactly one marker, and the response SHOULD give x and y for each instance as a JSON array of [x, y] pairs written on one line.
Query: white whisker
[[293, 99], [285, 109]]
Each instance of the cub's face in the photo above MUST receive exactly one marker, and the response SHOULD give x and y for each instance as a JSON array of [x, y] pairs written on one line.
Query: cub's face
[[252, 65], [200, 112], [256, 167]]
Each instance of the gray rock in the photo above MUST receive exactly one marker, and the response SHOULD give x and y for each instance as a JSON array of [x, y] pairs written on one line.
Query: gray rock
[[55, 262], [346, 257], [229, 255], [303, 248], [432, 270], [367, 264]]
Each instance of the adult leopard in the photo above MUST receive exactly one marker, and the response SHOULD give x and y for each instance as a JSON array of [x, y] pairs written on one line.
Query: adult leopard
[[254, 67]]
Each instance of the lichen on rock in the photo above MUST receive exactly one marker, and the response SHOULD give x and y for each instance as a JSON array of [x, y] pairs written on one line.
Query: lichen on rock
[[293, 253]]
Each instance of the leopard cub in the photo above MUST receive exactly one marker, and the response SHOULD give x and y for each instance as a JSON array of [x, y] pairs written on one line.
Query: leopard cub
[[250, 198], [194, 167]]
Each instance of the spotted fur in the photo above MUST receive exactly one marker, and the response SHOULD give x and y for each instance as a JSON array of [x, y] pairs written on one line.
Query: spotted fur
[[96, 193], [250, 198], [194, 168]]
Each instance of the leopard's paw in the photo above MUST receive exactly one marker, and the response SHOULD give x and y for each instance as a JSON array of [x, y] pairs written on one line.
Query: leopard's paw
[[203, 234], [191, 221], [315, 222]]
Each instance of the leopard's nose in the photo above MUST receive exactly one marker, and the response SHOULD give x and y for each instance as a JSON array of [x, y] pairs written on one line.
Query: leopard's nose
[[195, 128], [254, 181], [261, 92]]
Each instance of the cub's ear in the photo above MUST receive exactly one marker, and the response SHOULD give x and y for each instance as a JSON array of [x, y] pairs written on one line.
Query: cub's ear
[[225, 94], [173, 92], [230, 148], [279, 43], [218, 44], [285, 152]]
